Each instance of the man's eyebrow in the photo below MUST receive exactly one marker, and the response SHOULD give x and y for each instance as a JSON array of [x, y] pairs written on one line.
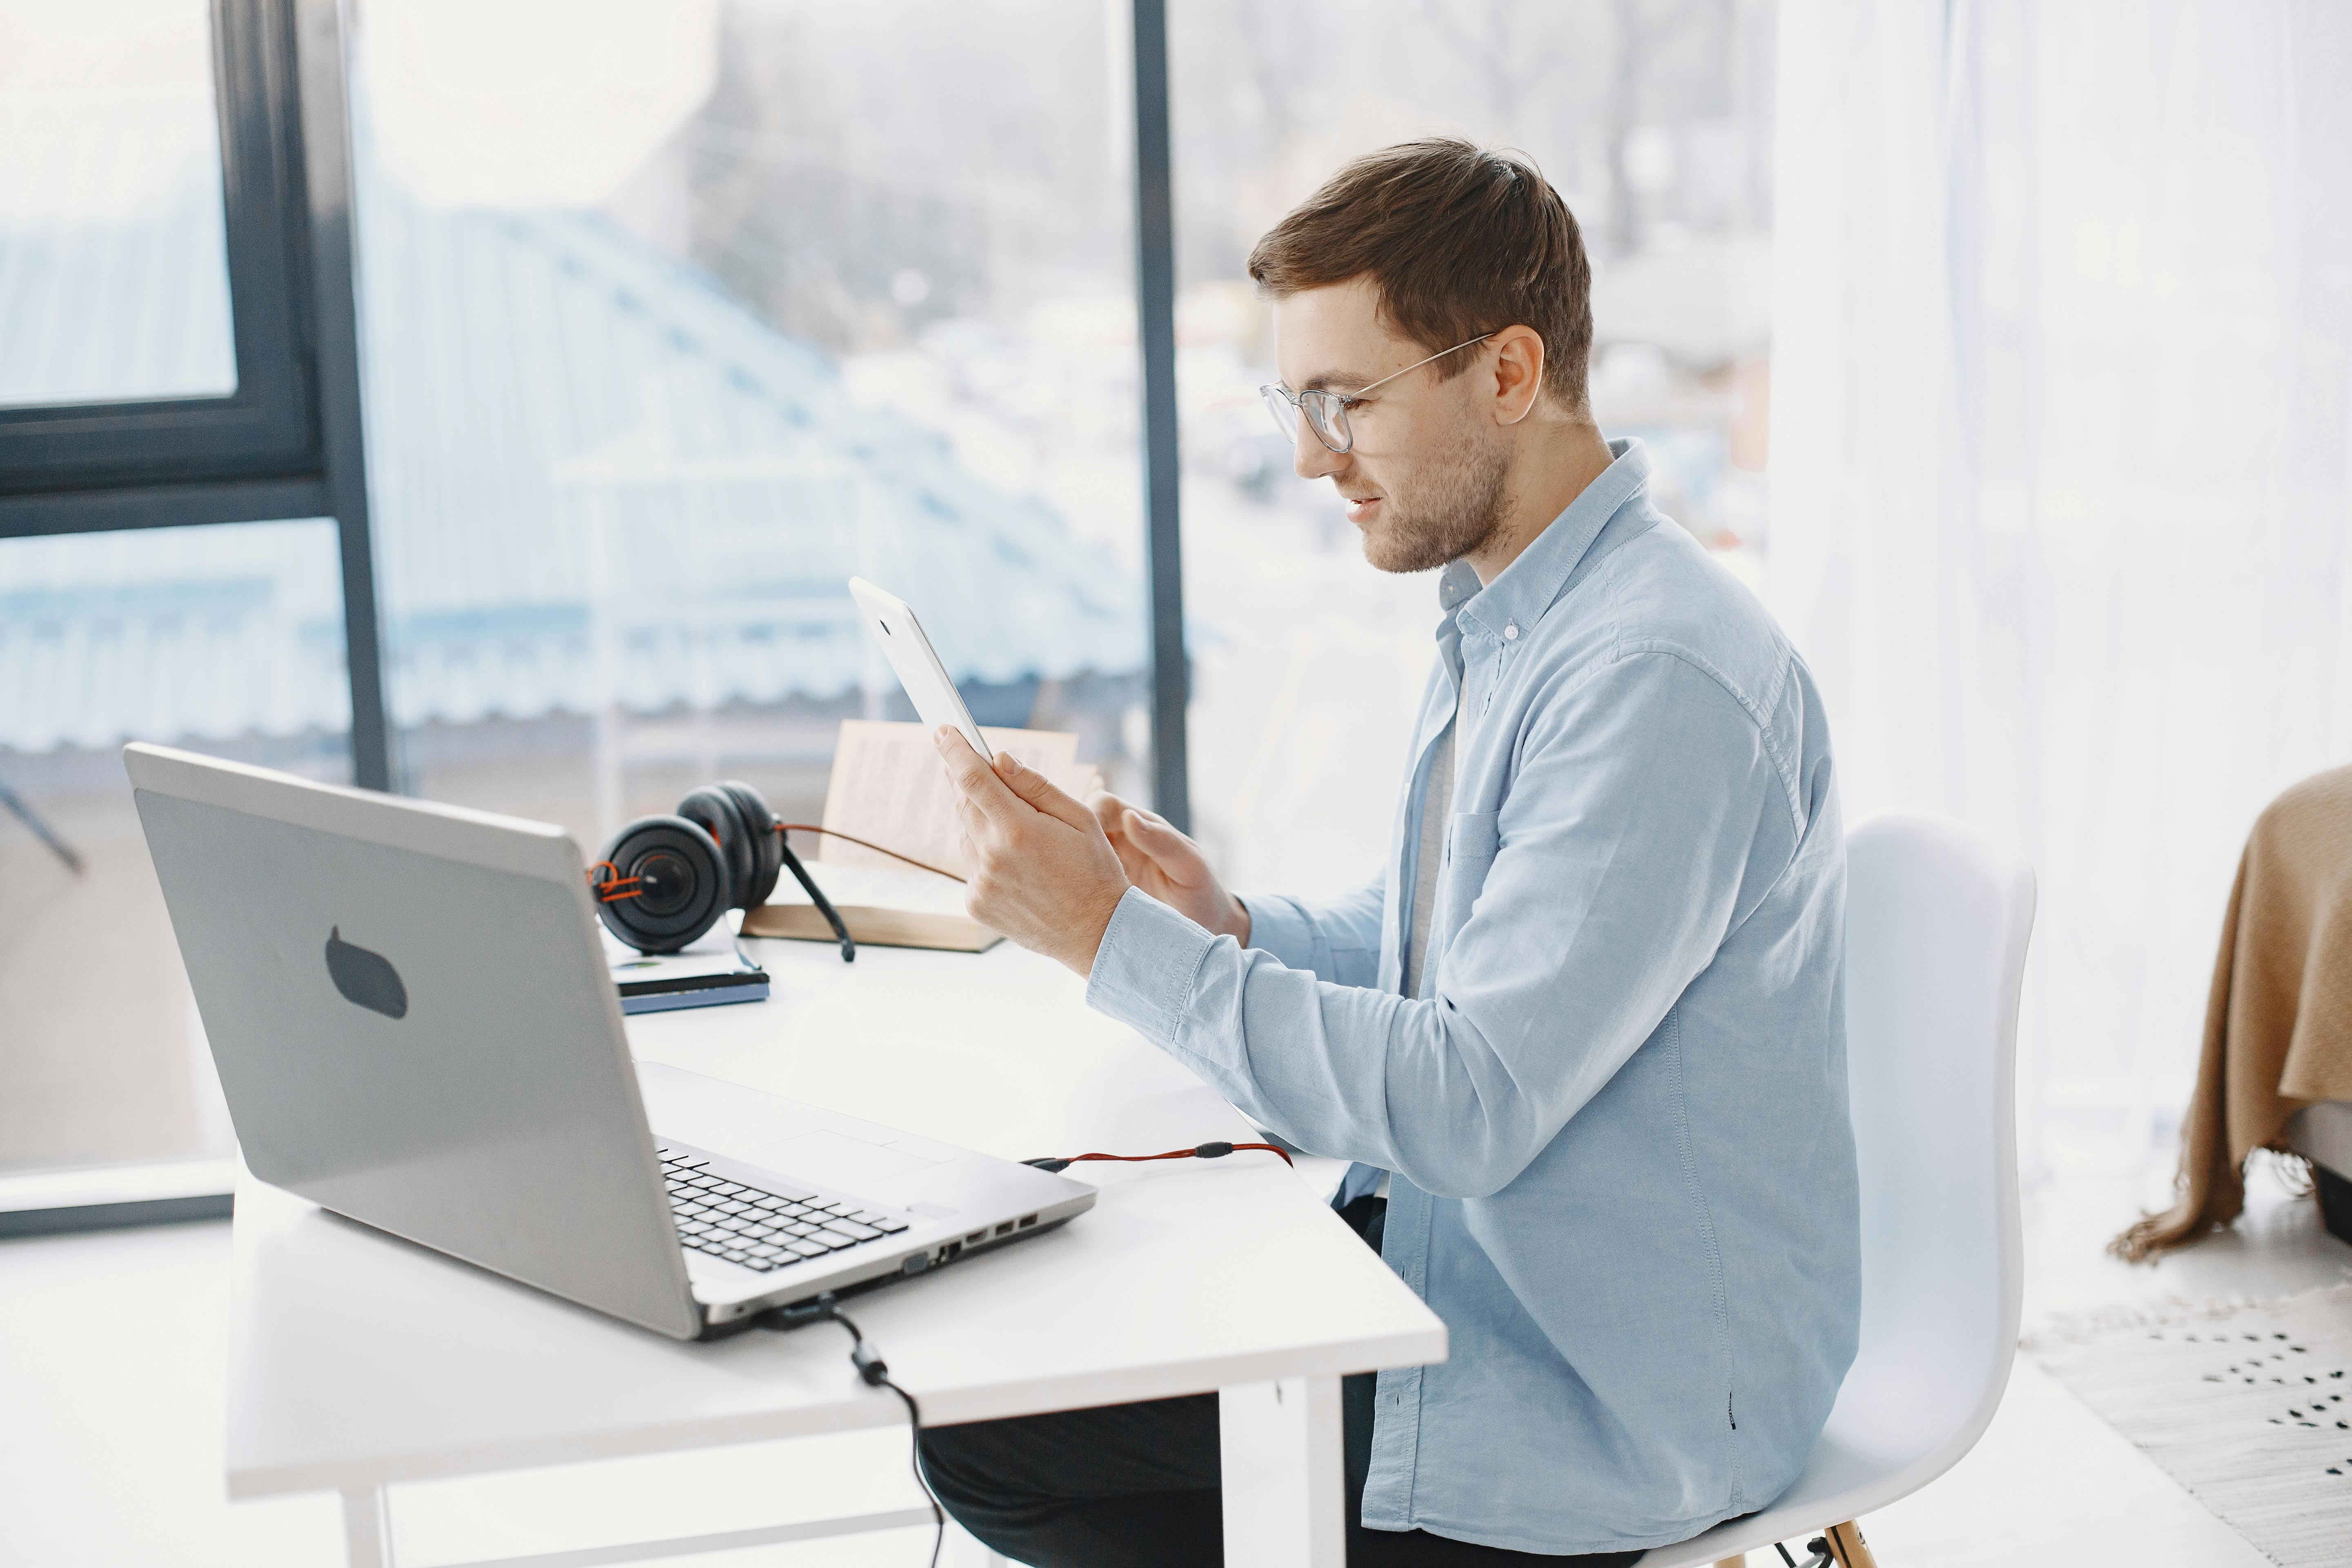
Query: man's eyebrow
[[1331, 378]]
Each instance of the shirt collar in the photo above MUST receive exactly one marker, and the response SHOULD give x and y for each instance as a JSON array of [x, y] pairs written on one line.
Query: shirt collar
[[1528, 586]]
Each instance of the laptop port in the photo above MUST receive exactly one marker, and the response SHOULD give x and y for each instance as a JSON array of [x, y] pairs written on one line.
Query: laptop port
[[948, 1253], [976, 1237], [1028, 1220], [1004, 1229]]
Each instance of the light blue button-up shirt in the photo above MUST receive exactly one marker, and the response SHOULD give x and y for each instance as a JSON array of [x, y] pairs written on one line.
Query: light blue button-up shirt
[[1622, 1170]]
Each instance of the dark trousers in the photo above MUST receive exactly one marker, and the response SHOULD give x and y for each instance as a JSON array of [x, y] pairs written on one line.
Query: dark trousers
[[1135, 1486]]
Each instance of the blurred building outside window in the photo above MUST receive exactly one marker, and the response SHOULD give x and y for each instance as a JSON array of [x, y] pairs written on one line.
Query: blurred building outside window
[[680, 314]]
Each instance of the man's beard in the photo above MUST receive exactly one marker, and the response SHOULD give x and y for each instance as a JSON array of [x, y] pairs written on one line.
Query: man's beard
[[1457, 509]]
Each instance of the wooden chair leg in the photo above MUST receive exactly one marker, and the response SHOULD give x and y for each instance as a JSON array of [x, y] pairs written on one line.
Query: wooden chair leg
[[1739, 1561], [1848, 1547]]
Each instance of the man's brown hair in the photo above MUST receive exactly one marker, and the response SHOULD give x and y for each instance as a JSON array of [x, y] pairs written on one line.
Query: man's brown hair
[[1459, 240]]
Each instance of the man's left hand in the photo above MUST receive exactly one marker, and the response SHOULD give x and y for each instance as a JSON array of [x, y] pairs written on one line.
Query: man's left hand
[[1040, 870]]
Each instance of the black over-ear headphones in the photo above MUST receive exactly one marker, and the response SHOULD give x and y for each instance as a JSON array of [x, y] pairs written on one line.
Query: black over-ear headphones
[[664, 880]]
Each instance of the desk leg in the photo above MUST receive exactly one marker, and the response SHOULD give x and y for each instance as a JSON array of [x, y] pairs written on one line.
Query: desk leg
[[1284, 1482], [367, 1529]]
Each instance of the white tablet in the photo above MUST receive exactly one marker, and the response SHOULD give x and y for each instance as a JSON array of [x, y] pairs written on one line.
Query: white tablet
[[893, 626]]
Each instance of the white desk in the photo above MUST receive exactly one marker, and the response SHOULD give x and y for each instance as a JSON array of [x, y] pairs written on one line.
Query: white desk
[[358, 1361]]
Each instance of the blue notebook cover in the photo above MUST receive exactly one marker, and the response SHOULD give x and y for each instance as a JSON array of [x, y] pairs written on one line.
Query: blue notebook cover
[[712, 973]]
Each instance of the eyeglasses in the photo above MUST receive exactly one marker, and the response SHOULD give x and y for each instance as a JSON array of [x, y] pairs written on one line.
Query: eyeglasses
[[1326, 412]]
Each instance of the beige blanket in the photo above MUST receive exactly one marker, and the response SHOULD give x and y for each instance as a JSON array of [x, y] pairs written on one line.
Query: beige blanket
[[2278, 1023]]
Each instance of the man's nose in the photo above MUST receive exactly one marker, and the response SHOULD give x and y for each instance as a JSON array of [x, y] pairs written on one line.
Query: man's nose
[[1313, 460]]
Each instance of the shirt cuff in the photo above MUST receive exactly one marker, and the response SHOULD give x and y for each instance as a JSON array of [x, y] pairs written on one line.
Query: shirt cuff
[[1145, 967], [1278, 926]]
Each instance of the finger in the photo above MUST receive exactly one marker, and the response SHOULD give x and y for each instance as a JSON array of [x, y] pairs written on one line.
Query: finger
[[1113, 815], [1153, 834], [971, 773], [1041, 793], [1132, 860]]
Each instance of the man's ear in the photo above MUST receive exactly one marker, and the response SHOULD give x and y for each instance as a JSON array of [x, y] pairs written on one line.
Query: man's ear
[[1518, 373]]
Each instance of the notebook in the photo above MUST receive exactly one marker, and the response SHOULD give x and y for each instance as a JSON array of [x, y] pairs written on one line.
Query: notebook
[[707, 973]]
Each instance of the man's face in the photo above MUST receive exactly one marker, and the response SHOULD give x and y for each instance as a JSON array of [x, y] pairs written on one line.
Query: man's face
[[1424, 480]]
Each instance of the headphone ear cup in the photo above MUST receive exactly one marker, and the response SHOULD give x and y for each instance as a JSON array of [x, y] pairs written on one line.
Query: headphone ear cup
[[767, 844], [681, 884], [713, 810]]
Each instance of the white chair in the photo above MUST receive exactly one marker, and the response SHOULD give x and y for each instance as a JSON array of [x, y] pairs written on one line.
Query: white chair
[[1937, 920]]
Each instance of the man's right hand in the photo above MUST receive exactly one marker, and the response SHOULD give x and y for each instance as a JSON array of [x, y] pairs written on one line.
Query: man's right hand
[[1170, 866]]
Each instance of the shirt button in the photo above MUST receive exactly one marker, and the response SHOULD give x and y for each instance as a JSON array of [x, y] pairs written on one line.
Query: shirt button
[[1511, 632]]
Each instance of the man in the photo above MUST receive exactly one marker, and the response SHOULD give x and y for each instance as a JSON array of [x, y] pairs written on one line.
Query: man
[[1585, 1034]]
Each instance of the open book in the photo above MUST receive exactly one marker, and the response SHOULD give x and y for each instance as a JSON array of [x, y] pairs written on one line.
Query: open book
[[889, 787]]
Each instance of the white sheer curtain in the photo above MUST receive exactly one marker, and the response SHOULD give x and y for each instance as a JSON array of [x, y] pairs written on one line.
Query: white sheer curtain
[[2061, 499]]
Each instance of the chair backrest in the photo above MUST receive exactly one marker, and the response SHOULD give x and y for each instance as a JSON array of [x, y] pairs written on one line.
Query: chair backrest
[[1938, 915], [1937, 920]]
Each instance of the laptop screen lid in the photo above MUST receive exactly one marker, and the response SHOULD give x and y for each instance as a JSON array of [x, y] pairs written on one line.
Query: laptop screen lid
[[414, 1026]]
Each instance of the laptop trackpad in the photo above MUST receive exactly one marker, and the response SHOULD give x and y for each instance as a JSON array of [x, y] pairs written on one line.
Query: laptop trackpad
[[832, 1160]]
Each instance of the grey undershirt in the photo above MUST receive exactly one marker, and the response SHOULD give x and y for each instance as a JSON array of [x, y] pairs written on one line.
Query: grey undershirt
[[1436, 809]]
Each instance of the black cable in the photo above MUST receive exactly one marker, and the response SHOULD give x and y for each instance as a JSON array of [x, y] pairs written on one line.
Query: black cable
[[817, 896], [1781, 1547], [876, 1373]]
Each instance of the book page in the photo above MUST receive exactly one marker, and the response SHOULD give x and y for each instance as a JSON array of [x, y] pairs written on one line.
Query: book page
[[889, 785]]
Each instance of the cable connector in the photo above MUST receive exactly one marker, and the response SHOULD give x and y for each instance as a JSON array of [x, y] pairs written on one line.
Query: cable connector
[[801, 1315]]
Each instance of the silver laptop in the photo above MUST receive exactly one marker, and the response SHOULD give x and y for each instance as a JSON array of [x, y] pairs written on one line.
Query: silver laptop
[[415, 1027]]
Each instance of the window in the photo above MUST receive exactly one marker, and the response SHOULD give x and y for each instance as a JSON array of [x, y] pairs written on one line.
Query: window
[[176, 384], [677, 319], [676, 323], [1653, 121], [154, 302], [111, 189]]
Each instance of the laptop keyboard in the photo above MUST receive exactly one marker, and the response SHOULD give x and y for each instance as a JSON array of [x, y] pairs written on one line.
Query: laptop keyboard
[[763, 1228]]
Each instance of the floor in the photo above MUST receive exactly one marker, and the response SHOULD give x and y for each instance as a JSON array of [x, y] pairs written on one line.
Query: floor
[[2050, 1482], [110, 1372]]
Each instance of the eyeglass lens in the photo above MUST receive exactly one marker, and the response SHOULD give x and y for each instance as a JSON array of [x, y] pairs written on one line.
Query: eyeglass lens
[[1325, 412]]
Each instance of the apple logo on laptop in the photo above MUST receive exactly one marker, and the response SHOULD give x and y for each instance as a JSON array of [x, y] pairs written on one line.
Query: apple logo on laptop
[[365, 977]]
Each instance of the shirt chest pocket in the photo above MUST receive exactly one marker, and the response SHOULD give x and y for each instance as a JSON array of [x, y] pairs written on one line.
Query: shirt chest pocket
[[1472, 839]]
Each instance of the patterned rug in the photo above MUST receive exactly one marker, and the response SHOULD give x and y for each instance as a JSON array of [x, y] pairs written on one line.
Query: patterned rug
[[2248, 1405]]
